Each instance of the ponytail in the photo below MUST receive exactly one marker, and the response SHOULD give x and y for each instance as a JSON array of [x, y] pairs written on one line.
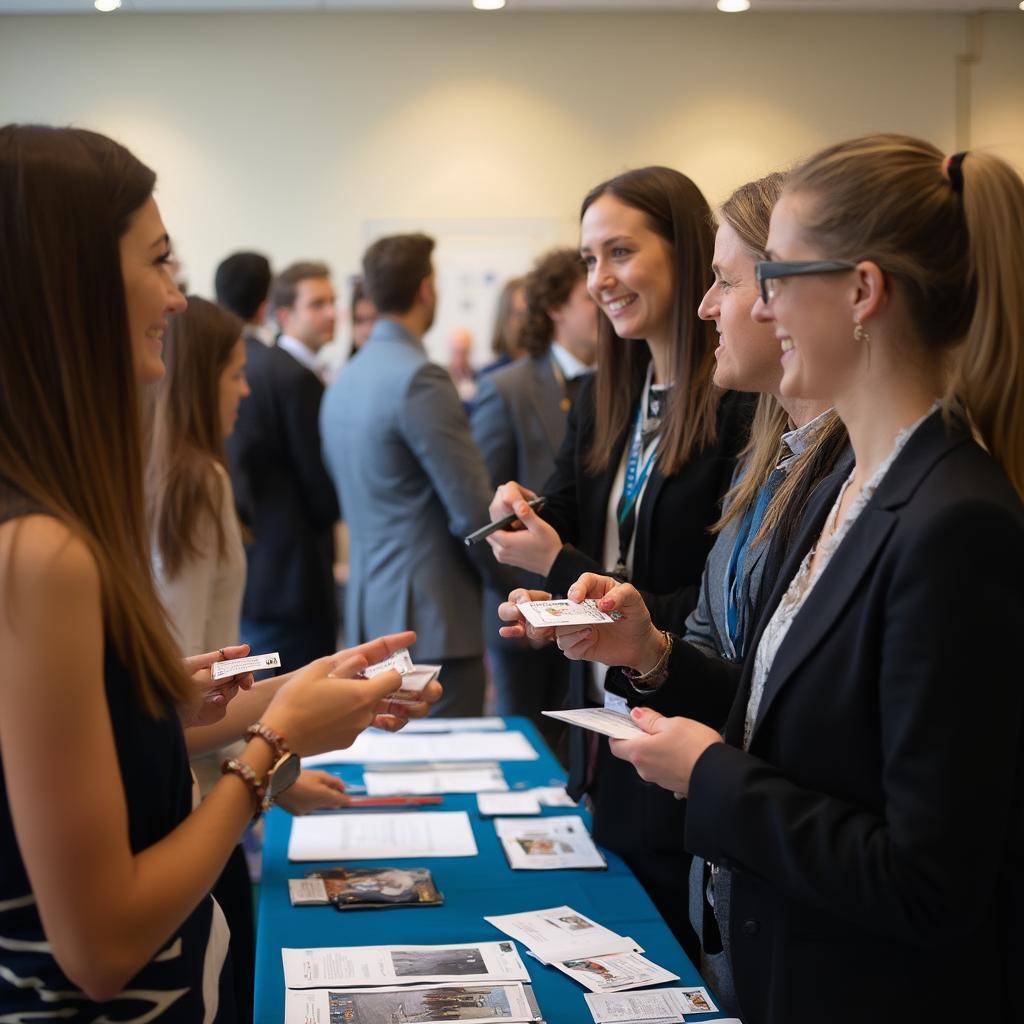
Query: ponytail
[[988, 376]]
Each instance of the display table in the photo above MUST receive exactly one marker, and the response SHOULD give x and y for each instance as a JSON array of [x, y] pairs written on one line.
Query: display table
[[472, 887]]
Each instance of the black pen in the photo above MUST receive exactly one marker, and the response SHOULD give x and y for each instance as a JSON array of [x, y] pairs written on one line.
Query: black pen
[[501, 524]]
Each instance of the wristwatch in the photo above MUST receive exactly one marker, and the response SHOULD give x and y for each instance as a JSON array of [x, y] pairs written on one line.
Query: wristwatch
[[282, 775]]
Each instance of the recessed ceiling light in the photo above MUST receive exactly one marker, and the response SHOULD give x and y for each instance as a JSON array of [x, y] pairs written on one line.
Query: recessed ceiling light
[[106, 6], [736, 6], [488, 5]]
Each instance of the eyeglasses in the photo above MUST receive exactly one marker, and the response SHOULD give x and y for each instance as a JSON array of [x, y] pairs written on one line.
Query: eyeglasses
[[768, 270]]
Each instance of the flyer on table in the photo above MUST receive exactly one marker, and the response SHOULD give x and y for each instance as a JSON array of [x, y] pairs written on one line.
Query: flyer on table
[[356, 966], [561, 933], [424, 1004]]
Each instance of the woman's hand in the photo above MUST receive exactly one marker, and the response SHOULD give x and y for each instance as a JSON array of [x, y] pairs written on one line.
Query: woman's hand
[[631, 640], [669, 750], [213, 695], [313, 791], [392, 716], [530, 544], [519, 627]]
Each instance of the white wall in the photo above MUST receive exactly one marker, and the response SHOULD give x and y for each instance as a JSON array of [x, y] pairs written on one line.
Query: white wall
[[289, 133]]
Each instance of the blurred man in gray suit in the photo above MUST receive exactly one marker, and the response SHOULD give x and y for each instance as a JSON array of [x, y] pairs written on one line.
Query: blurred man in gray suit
[[518, 421], [397, 442]]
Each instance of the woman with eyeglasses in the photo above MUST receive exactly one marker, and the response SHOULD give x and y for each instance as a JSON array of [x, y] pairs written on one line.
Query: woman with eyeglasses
[[865, 812]]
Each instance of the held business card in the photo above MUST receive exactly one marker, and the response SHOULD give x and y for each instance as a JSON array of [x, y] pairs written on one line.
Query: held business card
[[544, 614], [603, 720], [236, 666]]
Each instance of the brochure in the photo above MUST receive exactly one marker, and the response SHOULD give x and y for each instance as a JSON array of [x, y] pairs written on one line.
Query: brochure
[[361, 966], [538, 844]]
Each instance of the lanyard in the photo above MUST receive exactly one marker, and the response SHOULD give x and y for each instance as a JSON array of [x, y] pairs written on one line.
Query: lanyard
[[638, 470], [736, 579]]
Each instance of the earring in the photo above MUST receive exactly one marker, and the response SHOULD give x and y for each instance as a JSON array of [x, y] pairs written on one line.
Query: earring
[[860, 333]]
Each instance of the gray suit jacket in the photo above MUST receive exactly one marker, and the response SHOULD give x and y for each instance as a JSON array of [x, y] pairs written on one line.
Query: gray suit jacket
[[518, 422], [412, 484]]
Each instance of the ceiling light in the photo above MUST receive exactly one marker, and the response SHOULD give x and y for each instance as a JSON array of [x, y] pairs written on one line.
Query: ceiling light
[[106, 6], [488, 5], [733, 6]]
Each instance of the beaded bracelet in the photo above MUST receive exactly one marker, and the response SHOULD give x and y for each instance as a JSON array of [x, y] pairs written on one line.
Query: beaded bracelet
[[269, 736], [246, 773]]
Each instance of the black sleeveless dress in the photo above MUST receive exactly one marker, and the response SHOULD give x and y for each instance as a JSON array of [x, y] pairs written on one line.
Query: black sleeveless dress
[[183, 982]]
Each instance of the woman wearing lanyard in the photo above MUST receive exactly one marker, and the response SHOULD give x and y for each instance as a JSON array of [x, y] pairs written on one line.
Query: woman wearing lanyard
[[867, 807], [794, 443], [649, 451]]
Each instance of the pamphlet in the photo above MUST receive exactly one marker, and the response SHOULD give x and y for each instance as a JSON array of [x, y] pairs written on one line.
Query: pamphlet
[[371, 888], [650, 1007], [361, 966], [533, 844], [561, 933], [614, 973], [375, 836]]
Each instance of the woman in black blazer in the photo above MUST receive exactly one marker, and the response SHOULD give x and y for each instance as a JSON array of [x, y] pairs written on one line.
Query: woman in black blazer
[[647, 240], [866, 811]]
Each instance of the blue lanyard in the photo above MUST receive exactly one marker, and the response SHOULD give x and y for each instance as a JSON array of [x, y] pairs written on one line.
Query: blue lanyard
[[636, 475], [736, 575]]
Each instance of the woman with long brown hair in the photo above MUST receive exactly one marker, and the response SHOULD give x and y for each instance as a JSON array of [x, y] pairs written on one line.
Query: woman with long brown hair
[[649, 451], [104, 872], [794, 443], [866, 810]]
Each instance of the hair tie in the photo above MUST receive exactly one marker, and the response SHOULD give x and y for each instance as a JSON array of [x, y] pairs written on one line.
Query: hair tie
[[951, 167]]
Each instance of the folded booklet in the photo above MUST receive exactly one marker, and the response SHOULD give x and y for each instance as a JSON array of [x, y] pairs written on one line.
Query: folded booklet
[[365, 888]]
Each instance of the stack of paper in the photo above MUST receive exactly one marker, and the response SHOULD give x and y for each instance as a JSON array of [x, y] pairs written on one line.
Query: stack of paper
[[424, 1004], [463, 777], [372, 746], [378, 836], [472, 983], [596, 957], [539, 844]]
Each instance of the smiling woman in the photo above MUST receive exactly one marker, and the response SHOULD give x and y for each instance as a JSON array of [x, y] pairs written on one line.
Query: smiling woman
[[105, 869], [649, 451]]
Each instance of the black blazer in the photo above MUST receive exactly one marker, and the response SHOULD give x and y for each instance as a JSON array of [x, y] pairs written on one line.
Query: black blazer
[[641, 823], [672, 531], [283, 492], [875, 829]]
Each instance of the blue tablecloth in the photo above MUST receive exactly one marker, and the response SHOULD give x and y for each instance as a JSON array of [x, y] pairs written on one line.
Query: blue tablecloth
[[472, 887]]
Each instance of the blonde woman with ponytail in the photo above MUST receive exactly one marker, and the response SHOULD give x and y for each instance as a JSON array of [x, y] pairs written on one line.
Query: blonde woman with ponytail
[[865, 810]]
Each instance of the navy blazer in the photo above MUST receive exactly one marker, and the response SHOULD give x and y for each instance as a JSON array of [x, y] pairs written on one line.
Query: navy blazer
[[283, 492], [874, 828]]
